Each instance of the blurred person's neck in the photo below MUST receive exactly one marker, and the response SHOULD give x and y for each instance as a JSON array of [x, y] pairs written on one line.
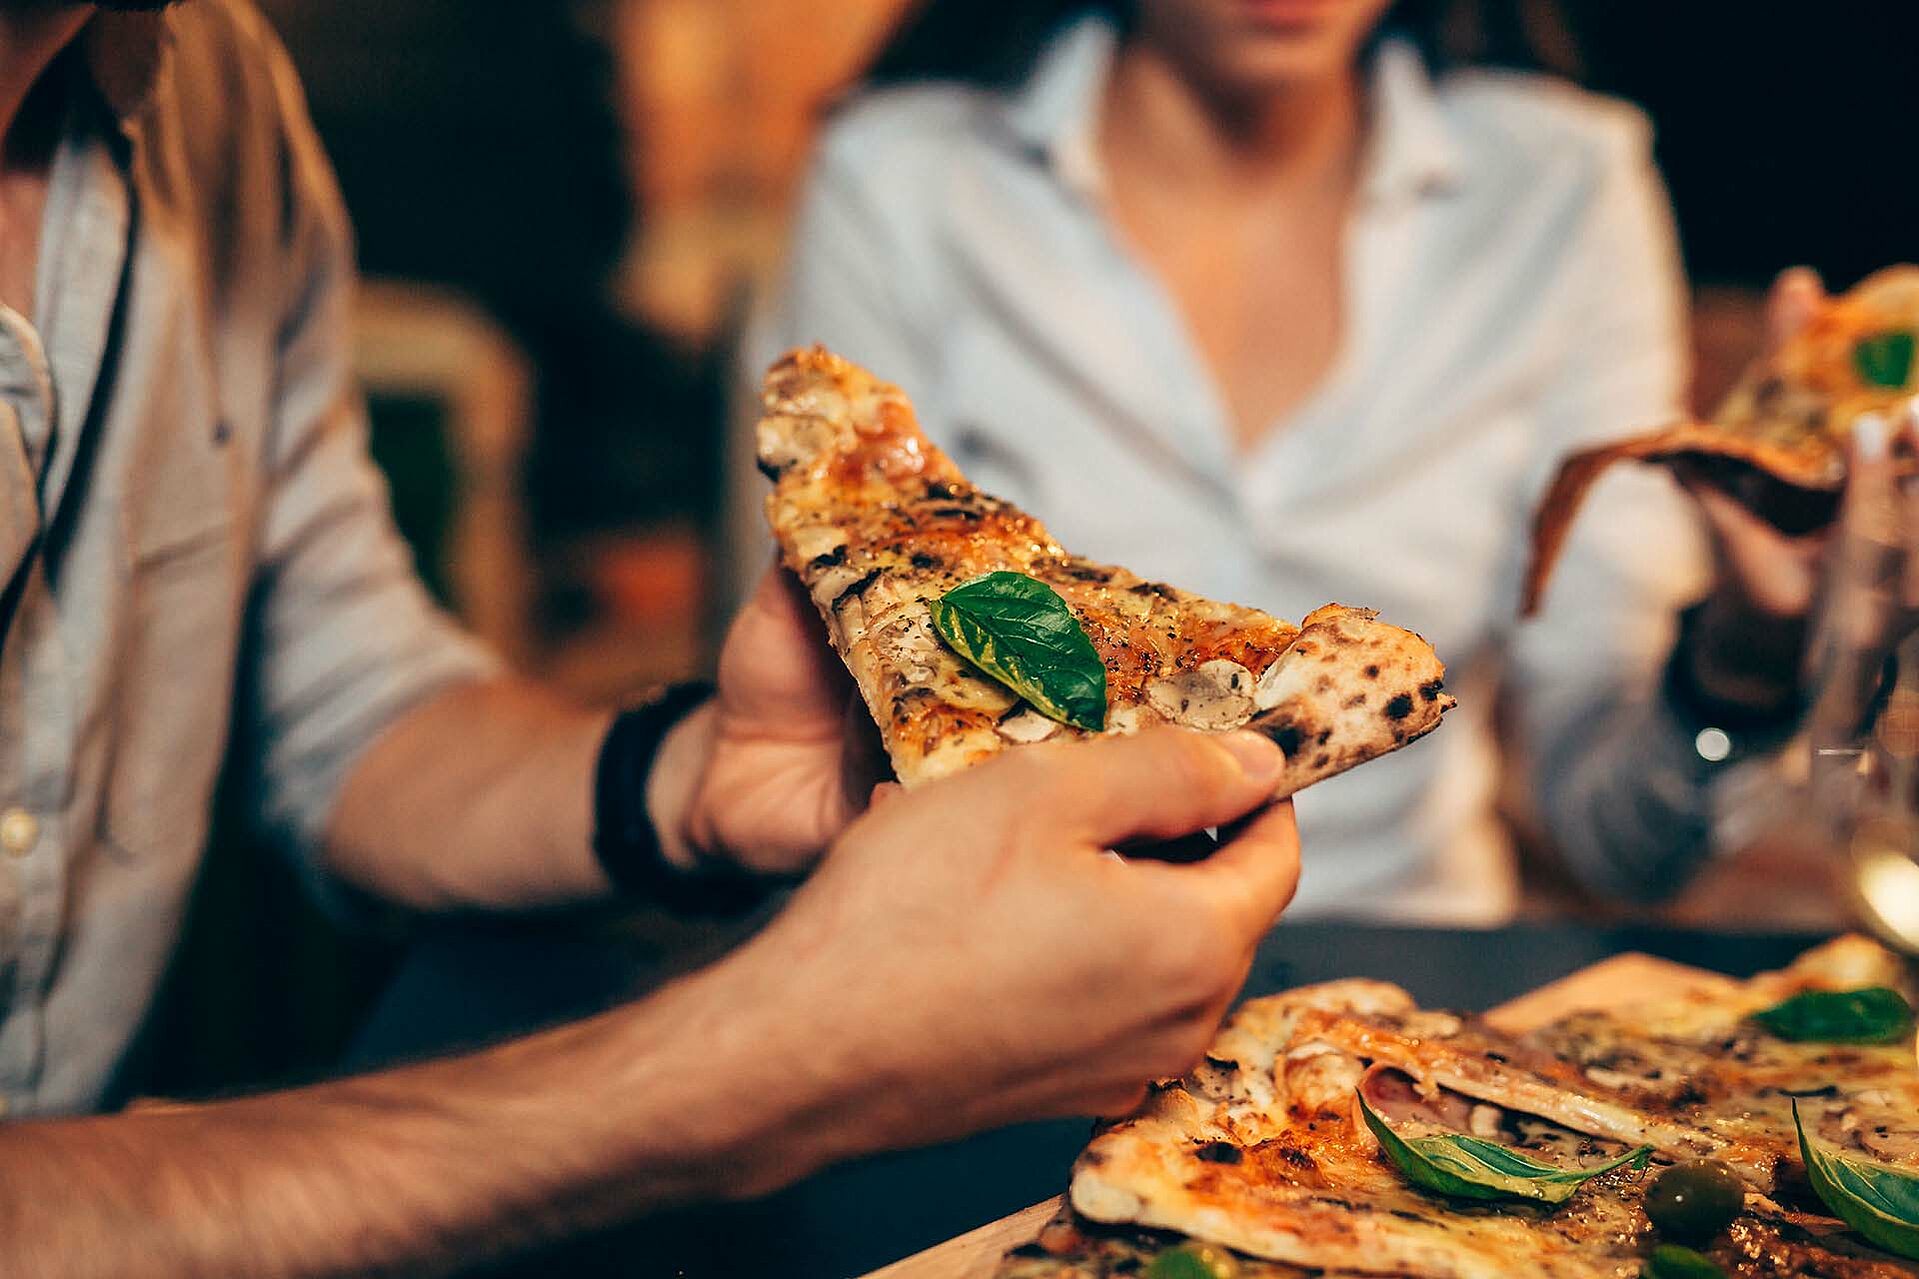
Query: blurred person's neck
[[1306, 132]]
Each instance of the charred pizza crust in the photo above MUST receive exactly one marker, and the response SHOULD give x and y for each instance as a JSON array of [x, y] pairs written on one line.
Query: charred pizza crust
[[1786, 421], [1258, 1148], [878, 523]]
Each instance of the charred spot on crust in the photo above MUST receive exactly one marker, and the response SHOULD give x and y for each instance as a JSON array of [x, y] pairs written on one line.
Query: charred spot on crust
[[1372, 672], [1296, 1157], [1160, 589], [1430, 689], [1325, 735], [940, 490], [1320, 761], [1400, 707], [1220, 1152], [1087, 572], [766, 468], [1357, 699], [832, 559], [1286, 737], [855, 588], [922, 560], [957, 513]]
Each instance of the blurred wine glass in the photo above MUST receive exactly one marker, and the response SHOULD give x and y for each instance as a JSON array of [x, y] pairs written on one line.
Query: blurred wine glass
[[1863, 685]]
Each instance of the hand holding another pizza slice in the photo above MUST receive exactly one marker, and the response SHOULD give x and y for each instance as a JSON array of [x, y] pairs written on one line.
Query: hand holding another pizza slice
[[1779, 443], [970, 631]]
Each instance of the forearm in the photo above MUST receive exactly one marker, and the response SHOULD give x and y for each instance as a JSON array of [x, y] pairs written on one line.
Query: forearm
[[480, 797], [696, 1094]]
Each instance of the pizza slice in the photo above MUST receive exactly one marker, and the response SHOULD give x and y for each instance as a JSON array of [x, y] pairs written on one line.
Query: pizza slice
[[1704, 1061], [1265, 1148], [1778, 440], [908, 563], [1259, 1150]]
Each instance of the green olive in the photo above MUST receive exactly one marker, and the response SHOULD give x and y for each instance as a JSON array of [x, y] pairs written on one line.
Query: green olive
[[1194, 1261], [1695, 1200]]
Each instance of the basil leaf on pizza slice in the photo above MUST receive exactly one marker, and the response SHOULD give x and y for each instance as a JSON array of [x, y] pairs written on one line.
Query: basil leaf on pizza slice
[[1884, 359], [1462, 1167], [1879, 1201], [1872, 1015], [1018, 630]]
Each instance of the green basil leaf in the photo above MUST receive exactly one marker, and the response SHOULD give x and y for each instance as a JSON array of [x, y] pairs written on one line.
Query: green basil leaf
[[1193, 1261], [1878, 1200], [1018, 630], [1463, 1167], [1873, 1015], [1884, 359], [1670, 1261]]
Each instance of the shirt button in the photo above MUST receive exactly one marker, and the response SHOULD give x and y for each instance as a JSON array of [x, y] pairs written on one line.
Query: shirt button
[[19, 830]]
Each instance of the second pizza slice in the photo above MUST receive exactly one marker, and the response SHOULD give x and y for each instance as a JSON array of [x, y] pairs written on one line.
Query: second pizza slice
[[970, 631]]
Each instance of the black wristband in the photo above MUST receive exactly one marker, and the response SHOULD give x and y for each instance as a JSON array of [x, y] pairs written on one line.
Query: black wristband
[[624, 837]]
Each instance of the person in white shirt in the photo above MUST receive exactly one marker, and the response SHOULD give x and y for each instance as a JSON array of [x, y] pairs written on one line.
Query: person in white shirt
[[1252, 296]]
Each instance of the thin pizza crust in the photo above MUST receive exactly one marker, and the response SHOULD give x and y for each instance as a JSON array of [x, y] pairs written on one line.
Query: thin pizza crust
[[1787, 419], [1258, 1149], [878, 523]]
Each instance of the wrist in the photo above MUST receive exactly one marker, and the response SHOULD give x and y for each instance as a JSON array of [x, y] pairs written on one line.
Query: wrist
[[645, 788], [786, 1066]]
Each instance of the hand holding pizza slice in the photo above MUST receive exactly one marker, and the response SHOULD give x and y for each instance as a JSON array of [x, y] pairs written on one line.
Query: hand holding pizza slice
[[1779, 441], [970, 631]]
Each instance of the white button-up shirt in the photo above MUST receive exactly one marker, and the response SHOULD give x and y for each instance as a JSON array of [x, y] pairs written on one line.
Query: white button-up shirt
[[1513, 293], [194, 543]]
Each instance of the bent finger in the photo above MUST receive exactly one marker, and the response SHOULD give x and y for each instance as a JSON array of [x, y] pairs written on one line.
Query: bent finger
[[1254, 873], [1159, 784]]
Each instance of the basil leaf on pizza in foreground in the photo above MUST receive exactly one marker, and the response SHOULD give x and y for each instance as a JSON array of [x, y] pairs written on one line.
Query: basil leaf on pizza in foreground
[[1872, 1015], [1462, 1167], [1878, 1200], [1018, 630]]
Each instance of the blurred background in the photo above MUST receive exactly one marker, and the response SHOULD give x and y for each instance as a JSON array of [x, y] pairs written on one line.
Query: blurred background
[[564, 205]]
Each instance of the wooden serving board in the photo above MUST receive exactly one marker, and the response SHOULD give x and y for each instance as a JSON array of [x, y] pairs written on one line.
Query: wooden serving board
[[1629, 978]]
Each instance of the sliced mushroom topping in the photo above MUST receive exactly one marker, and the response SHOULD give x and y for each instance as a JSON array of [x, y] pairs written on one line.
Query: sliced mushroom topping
[[1027, 726], [1217, 695], [1273, 687], [1132, 718], [832, 582], [789, 439]]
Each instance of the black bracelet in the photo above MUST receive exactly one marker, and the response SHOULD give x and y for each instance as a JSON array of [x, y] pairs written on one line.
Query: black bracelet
[[624, 837]]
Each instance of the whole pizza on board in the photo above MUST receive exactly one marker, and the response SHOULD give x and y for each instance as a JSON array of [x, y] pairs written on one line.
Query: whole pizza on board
[[1763, 1128], [970, 631]]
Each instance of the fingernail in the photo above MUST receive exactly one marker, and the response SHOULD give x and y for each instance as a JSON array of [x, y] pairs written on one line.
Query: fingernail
[[1259, 757], [1869, 437]]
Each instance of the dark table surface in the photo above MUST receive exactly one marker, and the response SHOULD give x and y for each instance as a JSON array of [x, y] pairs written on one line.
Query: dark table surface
[[469, 987]]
